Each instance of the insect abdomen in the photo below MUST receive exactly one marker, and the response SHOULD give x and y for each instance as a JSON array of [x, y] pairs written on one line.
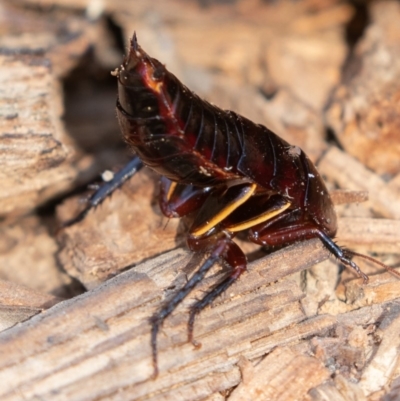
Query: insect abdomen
[[190, 141]]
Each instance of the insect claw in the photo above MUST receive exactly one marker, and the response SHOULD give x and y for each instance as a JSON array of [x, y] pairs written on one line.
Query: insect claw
[[359, 272]]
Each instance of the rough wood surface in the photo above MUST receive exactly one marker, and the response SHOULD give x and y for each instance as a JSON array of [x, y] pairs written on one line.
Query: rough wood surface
[[365, 111], [36, 152], [320, 74], [100, 340], [18, 303], [106, 330], [28, 257], [32, 148], [346, 171], [290, 375], [122, 231]]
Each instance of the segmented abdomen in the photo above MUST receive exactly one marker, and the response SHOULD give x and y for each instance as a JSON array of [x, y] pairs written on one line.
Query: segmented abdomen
[[190, 141]]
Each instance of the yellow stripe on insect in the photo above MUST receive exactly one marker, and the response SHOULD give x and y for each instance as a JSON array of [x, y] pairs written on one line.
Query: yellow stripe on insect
[[225, 212], [171, 190], [269, 214]]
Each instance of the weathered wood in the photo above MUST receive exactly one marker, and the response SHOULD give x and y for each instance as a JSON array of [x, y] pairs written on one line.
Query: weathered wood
[[33, 154], [349, 173], [374, 235], [283, 375], [18, 303], [36, 152], [365, 110], [277, 63], [111, 323], [28, 257], [124, 230]]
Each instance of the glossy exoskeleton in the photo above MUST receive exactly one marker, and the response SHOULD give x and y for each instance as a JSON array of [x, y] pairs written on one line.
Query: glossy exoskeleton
[[226, 172]]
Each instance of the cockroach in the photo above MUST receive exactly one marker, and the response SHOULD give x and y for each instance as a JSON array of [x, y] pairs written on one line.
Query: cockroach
[[225, 172]]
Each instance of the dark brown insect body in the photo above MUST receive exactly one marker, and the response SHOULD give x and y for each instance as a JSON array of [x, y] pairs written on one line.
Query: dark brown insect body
[[224, 171]]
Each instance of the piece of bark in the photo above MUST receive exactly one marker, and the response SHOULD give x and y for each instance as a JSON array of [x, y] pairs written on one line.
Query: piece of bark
[[37, 50], [339, 390], [28, 257], [28, 263], [121, 232], [33, 168], [374, 235], [386, 358], [18, 303], [365, 110], [283, 375], [17, 295], [347, 172], [111, 323], [61, 38]]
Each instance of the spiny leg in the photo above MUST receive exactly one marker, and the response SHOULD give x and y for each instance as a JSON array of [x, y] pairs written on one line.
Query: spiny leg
[[208, 234], [341, 254], [290, 231], [107, 189], [158, 318], [209, 298]]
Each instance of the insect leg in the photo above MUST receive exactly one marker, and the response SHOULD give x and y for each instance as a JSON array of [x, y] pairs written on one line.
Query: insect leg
[[287, 229], [158, 318], [250, 213], [108, 188], [342, 254], [236, 260], [177, 200]]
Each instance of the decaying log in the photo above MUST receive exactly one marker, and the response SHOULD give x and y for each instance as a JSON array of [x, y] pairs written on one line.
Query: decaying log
[[280, 332], [124, 230], [36, 152], [18, 303], [33, 152], [28, 257], [101, 339], [106, 330], [365, 112], [347, 172]]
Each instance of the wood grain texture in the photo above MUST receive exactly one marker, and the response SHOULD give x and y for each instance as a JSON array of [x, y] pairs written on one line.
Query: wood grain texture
[[347, 172], [33, 154], [101, 338], [365, 110]]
